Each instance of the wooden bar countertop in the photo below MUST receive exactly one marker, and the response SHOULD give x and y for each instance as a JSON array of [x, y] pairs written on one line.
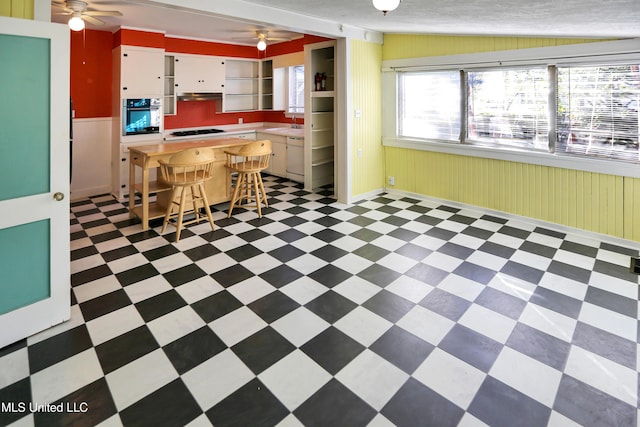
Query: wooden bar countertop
[[147, 157]]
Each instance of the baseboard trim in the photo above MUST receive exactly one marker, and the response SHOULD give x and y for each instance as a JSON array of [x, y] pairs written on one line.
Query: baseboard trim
[[618, 241]]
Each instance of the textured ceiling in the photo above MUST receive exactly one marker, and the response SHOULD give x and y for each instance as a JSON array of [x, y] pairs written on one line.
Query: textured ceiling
[[235, 21]]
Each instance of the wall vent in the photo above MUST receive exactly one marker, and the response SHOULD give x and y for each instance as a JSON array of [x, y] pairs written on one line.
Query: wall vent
[[635, 265]]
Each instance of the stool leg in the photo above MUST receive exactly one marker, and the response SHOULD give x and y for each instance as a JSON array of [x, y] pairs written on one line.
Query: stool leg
[[194, 202], [264, 193], [257, 197], [183, 195], [236, 192], [205, 201], [167, 215]]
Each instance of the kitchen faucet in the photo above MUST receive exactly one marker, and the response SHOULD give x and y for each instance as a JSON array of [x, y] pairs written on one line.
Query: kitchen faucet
[[293, 120]]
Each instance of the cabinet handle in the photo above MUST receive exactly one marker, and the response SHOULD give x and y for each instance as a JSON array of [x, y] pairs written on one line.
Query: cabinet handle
[[124, 88]]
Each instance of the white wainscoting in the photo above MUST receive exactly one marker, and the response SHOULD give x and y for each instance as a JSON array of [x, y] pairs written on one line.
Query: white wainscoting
[[91, 157]]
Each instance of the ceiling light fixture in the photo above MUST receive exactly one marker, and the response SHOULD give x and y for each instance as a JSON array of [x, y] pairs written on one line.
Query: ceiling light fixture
[[76, 23], [262, 42], [386, 5]]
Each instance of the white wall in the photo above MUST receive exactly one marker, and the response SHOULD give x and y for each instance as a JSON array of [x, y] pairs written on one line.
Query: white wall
[[91, 157]]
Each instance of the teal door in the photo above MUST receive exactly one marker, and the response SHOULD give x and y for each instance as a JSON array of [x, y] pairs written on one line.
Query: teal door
[[34, 177]]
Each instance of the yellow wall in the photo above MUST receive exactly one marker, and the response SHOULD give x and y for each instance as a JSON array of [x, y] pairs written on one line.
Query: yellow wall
[[596, 202], [366, 94], [17, 8]]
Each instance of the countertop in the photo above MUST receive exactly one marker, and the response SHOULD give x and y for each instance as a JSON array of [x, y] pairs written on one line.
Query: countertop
[[230, 131], [160, 149]]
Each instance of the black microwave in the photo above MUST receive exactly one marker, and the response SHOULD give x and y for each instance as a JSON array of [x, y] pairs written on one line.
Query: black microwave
[[141, 116]]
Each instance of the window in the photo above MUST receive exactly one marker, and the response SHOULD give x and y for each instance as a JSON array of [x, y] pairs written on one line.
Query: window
[[509, 107], [430, 105], [598, 110], [296, 89], [548, 102]]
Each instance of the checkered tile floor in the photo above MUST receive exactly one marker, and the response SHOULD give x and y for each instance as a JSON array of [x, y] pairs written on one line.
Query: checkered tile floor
[[393, 311]]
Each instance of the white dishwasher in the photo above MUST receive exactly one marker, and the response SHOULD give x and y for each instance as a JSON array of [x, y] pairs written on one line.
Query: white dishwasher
[[295, 158]]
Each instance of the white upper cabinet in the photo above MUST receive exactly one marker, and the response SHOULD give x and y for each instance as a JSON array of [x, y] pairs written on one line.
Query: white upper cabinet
[[199, 73], [141, 72]]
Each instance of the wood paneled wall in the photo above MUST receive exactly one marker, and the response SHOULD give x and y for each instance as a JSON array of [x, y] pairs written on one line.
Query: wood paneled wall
[[601, 203], [17, 8], [366, 96]]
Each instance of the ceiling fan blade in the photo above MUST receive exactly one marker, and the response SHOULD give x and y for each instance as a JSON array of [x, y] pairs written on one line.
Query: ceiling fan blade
[[92, 20], [102, 13], [69, 12]]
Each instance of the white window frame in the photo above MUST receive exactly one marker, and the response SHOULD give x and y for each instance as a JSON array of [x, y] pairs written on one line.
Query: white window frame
[[587, 53], [289, 82]]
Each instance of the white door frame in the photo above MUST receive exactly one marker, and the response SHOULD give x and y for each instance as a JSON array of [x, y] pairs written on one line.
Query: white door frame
[[25, 321]]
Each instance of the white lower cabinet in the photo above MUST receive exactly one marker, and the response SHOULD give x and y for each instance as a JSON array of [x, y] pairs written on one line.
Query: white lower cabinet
[[278, 163]]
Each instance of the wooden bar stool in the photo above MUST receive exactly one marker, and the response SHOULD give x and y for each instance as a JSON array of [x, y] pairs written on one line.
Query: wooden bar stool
[[247, 163], [186, 172]]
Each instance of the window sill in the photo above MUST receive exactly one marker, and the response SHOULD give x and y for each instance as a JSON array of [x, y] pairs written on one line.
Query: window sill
[[603, 166]]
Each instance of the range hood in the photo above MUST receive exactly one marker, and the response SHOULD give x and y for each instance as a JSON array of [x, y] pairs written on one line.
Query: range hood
[[203, 96]]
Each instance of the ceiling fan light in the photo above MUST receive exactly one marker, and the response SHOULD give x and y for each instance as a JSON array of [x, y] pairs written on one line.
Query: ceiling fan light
[[76, 23], [386, 5], [262, 45]]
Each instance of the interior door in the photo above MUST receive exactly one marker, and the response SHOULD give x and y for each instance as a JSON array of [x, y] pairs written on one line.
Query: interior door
[[34, 177]]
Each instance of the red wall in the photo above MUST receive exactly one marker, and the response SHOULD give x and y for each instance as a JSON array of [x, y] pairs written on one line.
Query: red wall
[[91, 74]]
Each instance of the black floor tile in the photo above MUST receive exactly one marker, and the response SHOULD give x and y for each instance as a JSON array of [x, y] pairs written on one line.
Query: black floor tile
[[427, 273], [171, 405], [557, 302], [329, 253], [388, 305], [613, 302], [343, 349], [232, 275], [403, 349], [417, 405], [281, 275], [263, 349], [445, 304], [137, 274], [591, 407], [499, 405], [159, 305], [273, 306], [606, 344], [331, 306], [125, 348], [87, 406], [475, 272], [379, 275], [475, 349], [16, 397], [104, 304], [189, 351], [334, 405], [251, 405], [216, 306], [502, 303], [184, 275], [329, 275], [538, 345]]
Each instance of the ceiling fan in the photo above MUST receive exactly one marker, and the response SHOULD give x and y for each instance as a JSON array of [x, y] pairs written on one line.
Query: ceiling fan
[[79, 13], [263, 37]]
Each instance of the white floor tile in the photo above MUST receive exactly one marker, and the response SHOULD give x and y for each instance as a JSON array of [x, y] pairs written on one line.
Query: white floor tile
[[450, 377], [535, 379], [65, 377], [300, 326], [216, 378], [603, 374], [426, 324], [237, 325], [174, 325], [375, 389], [113, 324], [488, 322], [294, 378], [363, 325]]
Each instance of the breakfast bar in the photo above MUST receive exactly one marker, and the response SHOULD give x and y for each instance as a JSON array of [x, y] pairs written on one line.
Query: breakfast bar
[[147, 157]]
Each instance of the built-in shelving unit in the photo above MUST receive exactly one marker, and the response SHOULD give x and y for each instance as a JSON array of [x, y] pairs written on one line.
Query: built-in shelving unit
[[320, 112], [242, 82], [266, 85], [169, 85]]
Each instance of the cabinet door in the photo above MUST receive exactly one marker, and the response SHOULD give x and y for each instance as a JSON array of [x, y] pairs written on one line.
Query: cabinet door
[[199, 73], [142, 72], [278, 164]]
